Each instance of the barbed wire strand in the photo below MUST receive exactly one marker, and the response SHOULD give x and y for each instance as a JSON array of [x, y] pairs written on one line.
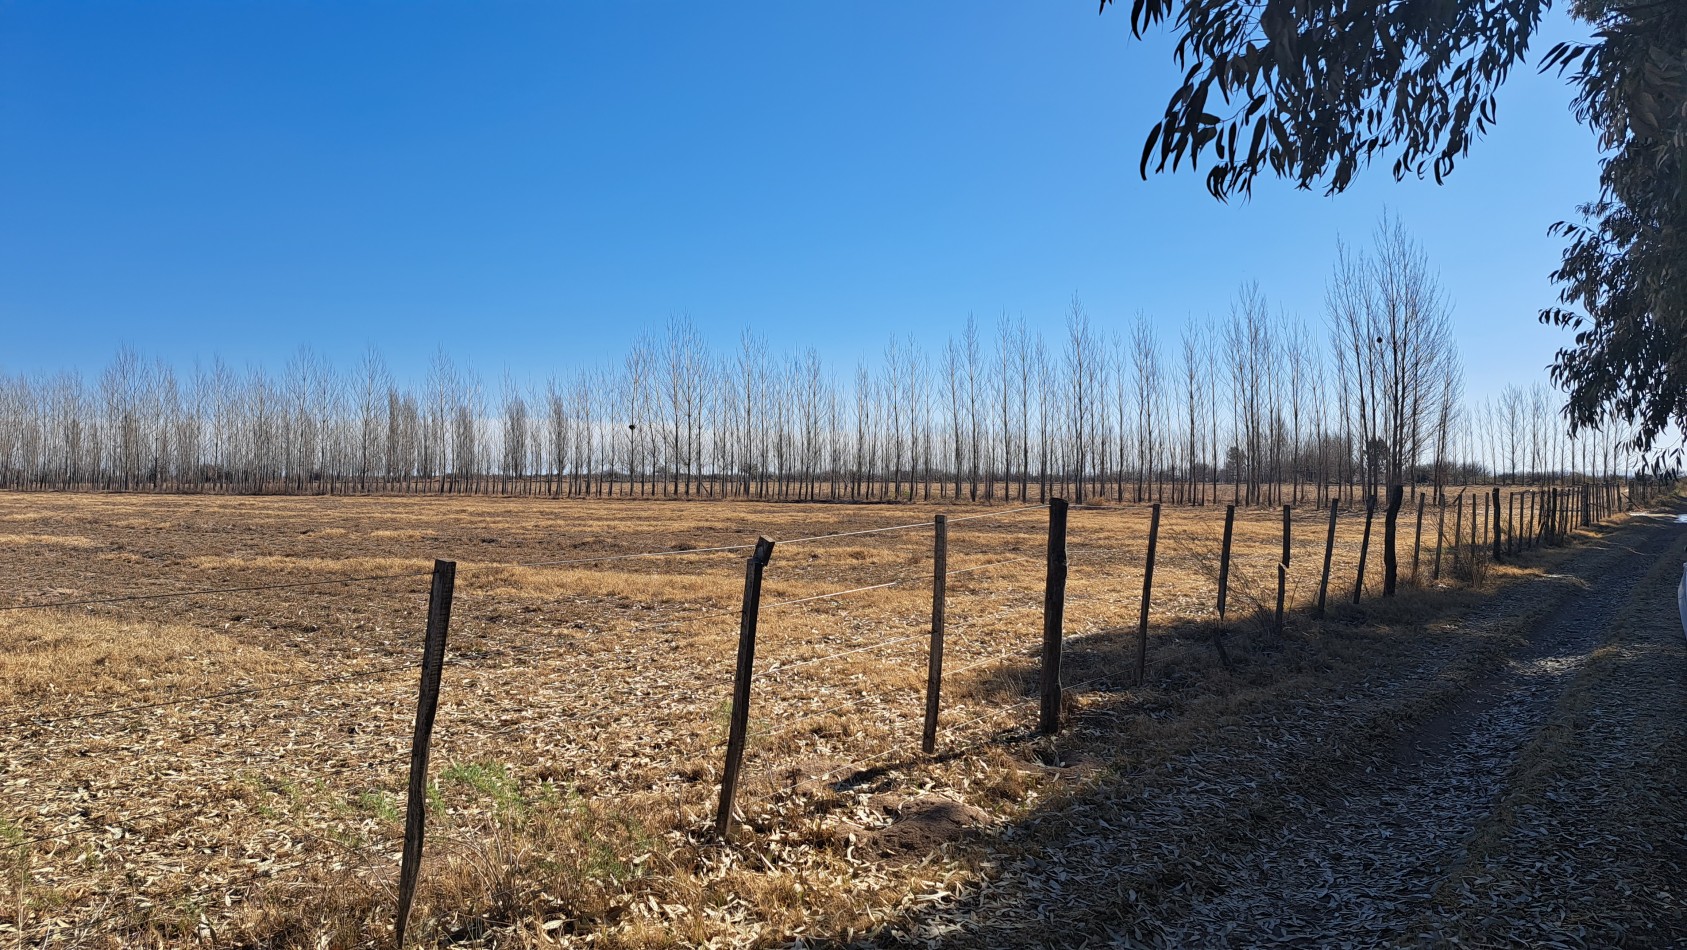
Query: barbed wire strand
[[210, 697], [175, 595], [985, 567], [122, 822], [998, 658], [996, 514], [790, 726], [783, 667], [674, 552], [841, 593], [851, 534], [995, 711]]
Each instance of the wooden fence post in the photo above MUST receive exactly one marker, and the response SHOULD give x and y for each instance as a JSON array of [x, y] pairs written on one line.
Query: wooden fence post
[[1364, 546], [1390, 523], [1510, 523], [934, 662], [1495, 518], [1487, 521], [740, 721], [1458, 529], [1440, 536], [1417, 541], [1224, 586], [1329, 549], [1224, 558], [427, 703], [1147, 592], [1054, 611], [1283, 572], [1474, 547]]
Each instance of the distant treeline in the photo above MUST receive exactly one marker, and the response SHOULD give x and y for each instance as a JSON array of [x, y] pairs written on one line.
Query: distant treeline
[[1252, 407]]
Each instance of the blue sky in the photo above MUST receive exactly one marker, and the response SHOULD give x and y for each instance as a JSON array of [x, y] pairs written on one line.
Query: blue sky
[[530, 184]]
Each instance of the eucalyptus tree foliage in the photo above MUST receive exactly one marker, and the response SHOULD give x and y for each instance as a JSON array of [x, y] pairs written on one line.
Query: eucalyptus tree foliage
[[1315, 90], [1627, 258]]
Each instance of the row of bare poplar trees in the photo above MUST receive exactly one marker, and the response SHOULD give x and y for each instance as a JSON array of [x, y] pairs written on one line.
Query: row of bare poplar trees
[[1255, 407]]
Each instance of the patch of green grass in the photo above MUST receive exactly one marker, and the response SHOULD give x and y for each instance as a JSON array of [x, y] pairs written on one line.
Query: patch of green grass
[[491, 780], [12, 836], [381, 805]]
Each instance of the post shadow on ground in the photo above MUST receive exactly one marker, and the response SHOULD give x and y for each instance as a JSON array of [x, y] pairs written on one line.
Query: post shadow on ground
[[1108, 770]]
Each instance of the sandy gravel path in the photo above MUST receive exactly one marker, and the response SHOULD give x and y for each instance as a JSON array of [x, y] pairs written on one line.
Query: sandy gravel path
[[1540, 807]]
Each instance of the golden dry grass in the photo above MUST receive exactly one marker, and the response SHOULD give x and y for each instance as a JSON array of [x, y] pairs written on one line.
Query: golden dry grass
[[57, 540], [580, 731], [47, 656]]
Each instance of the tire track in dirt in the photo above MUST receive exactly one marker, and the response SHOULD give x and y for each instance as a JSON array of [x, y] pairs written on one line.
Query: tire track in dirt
[[1301, 825], [1363, 862]]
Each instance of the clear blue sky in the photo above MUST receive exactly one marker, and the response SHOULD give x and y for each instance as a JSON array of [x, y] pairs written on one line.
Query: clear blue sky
[[531, 183]]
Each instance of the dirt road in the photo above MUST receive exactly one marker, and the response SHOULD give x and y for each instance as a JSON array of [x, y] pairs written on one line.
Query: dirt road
[[1537, 803]]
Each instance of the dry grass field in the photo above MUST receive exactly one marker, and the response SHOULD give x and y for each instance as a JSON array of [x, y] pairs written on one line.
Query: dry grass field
[[227, 769]]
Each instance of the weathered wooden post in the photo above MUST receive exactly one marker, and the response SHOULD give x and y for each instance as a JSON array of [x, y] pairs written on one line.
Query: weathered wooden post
[[1054, 611], [427, 704], [1458, 530], [1473, 545], [1147, 592], [934, 661], [739, 725], [1364, 546], [1224, 558], [1283, 572], [1440, 536], [1224, 585], [1494, 518], [1510, 523], [1329, 550], [1417, 540], [1390, 560]]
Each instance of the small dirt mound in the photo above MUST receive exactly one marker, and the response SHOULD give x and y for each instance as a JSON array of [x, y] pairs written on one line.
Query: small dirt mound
[[921, 825]]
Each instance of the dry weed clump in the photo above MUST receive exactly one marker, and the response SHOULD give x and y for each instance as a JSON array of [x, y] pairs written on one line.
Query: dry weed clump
[[584, 709]]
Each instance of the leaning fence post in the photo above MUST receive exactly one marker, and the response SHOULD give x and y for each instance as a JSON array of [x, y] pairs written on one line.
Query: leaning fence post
[[1224, 586], [740, 722], [1147, 592], [1224, 558], [1054, 611], [427, 702], [1329, 549], [934, 658], [1364, 546]]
